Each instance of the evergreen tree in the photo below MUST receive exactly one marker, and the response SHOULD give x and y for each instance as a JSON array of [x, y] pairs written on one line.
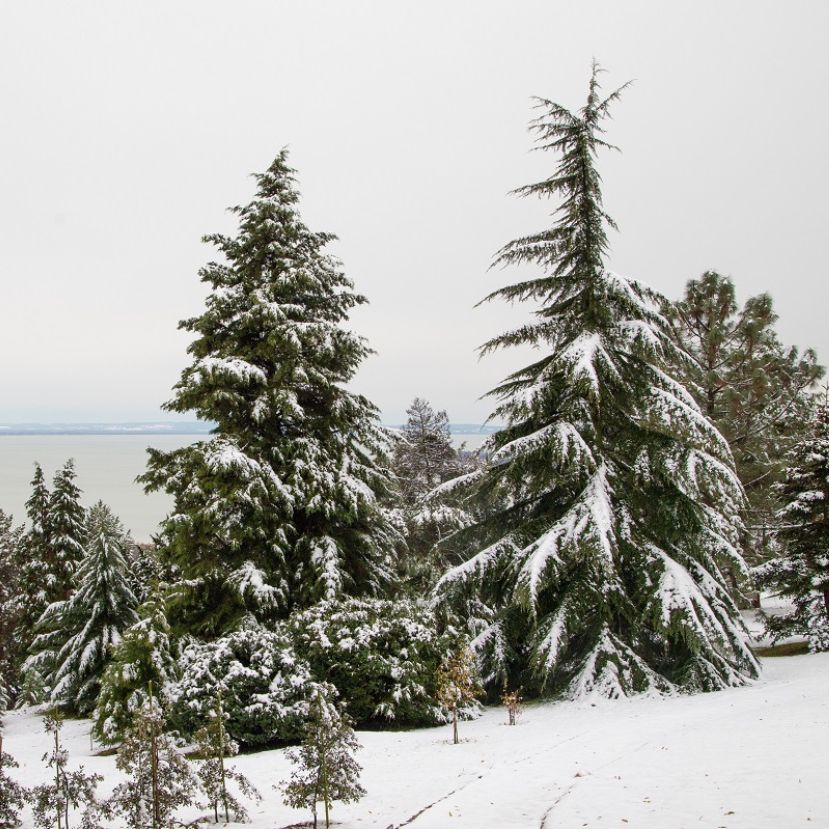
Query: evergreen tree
[[457, 684], [280, 507], [802, 573], [67, 532], [616, 507], [91, 623], [424, 458], [325, 769], [143, 657], [33, 564], [12, 794], [159, 779], [214, 774], [749, 385], [10, 541]]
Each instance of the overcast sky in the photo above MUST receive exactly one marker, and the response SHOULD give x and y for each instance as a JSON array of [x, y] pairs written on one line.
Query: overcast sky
[[129, 127]]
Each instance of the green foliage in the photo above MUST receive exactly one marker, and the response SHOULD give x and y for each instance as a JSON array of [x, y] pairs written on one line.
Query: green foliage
[[10, 608], [802, 573], [754, 389], [12, 794], [265, 686], [325, 768], [610, 507], [280, 508], [144, 657], [92, 621], [458, 684], [380, 655]]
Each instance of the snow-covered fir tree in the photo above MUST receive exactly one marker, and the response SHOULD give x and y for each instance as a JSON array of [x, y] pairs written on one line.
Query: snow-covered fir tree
[[92, 621], [280, 507], [34, 555], [750, 386], [424, 458], [10, 541], [617, 509], [144, 657], [67, 532], [325, 769], [802, 573]]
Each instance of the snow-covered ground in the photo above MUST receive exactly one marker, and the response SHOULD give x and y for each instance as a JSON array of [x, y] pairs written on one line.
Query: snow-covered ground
[[753, 758]]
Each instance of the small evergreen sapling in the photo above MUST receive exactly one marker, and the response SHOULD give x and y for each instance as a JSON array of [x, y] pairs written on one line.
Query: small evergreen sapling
[[325, 769], [457, 684], [159, 778], [512, 701], [12, 794], [214, 747], [52, 803]]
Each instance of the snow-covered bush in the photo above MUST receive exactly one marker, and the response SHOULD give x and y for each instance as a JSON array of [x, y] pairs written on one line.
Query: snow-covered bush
[[380, 655], [265, 686]]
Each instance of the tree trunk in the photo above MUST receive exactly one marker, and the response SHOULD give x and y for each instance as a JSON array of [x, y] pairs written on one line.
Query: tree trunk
[[222, 754], [826, 599], [455, 725]]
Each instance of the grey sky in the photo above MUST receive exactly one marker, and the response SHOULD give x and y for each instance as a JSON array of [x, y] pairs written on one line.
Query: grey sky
[[128, 127]]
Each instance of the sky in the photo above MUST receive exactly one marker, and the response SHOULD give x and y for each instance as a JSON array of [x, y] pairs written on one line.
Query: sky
[[129, 127]]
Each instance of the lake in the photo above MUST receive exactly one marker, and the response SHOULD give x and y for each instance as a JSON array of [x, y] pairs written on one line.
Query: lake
[[107, 466]]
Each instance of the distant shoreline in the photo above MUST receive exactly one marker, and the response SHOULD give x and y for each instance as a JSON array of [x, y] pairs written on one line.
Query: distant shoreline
[[170, 428]]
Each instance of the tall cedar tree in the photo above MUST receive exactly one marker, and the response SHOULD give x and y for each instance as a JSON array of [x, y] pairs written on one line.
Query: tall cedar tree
[[92, 621], [280, 507], [802, 573], [602, 570], [750, 386], [10, 541], [424, 458]]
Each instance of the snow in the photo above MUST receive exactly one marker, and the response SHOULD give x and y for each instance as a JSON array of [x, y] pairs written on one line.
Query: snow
[[746, 758]]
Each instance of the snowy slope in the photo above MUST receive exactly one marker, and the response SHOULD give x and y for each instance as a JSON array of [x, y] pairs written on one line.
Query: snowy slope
[[753, 758]]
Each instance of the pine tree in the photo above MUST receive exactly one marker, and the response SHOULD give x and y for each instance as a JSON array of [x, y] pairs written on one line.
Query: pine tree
[[143, 658], [457, 684], [424, 458], [751, 387], [280, 507], [159, 779], [325, 769], [802, 573], [10, 541], [215, 746], [53, 803], [12, 794], [91, 623], [598, 569]]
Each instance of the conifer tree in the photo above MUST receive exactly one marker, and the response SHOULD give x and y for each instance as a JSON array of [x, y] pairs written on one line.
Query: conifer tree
[[616, 507], [12, 794], [10, 607], [33, 564], [279, 508], [159, 778], [67, 532], [325, 769], [91, 623], [215, 746], [143, 658], [424, 458], [751, 387], [802, 573], [457, 684]]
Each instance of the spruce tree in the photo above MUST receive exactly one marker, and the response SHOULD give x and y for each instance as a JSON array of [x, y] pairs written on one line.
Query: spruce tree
[[598, 569], [67, 532], [92, 622], [10, 607], [801, 574], [750, 386], [279, 508]]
